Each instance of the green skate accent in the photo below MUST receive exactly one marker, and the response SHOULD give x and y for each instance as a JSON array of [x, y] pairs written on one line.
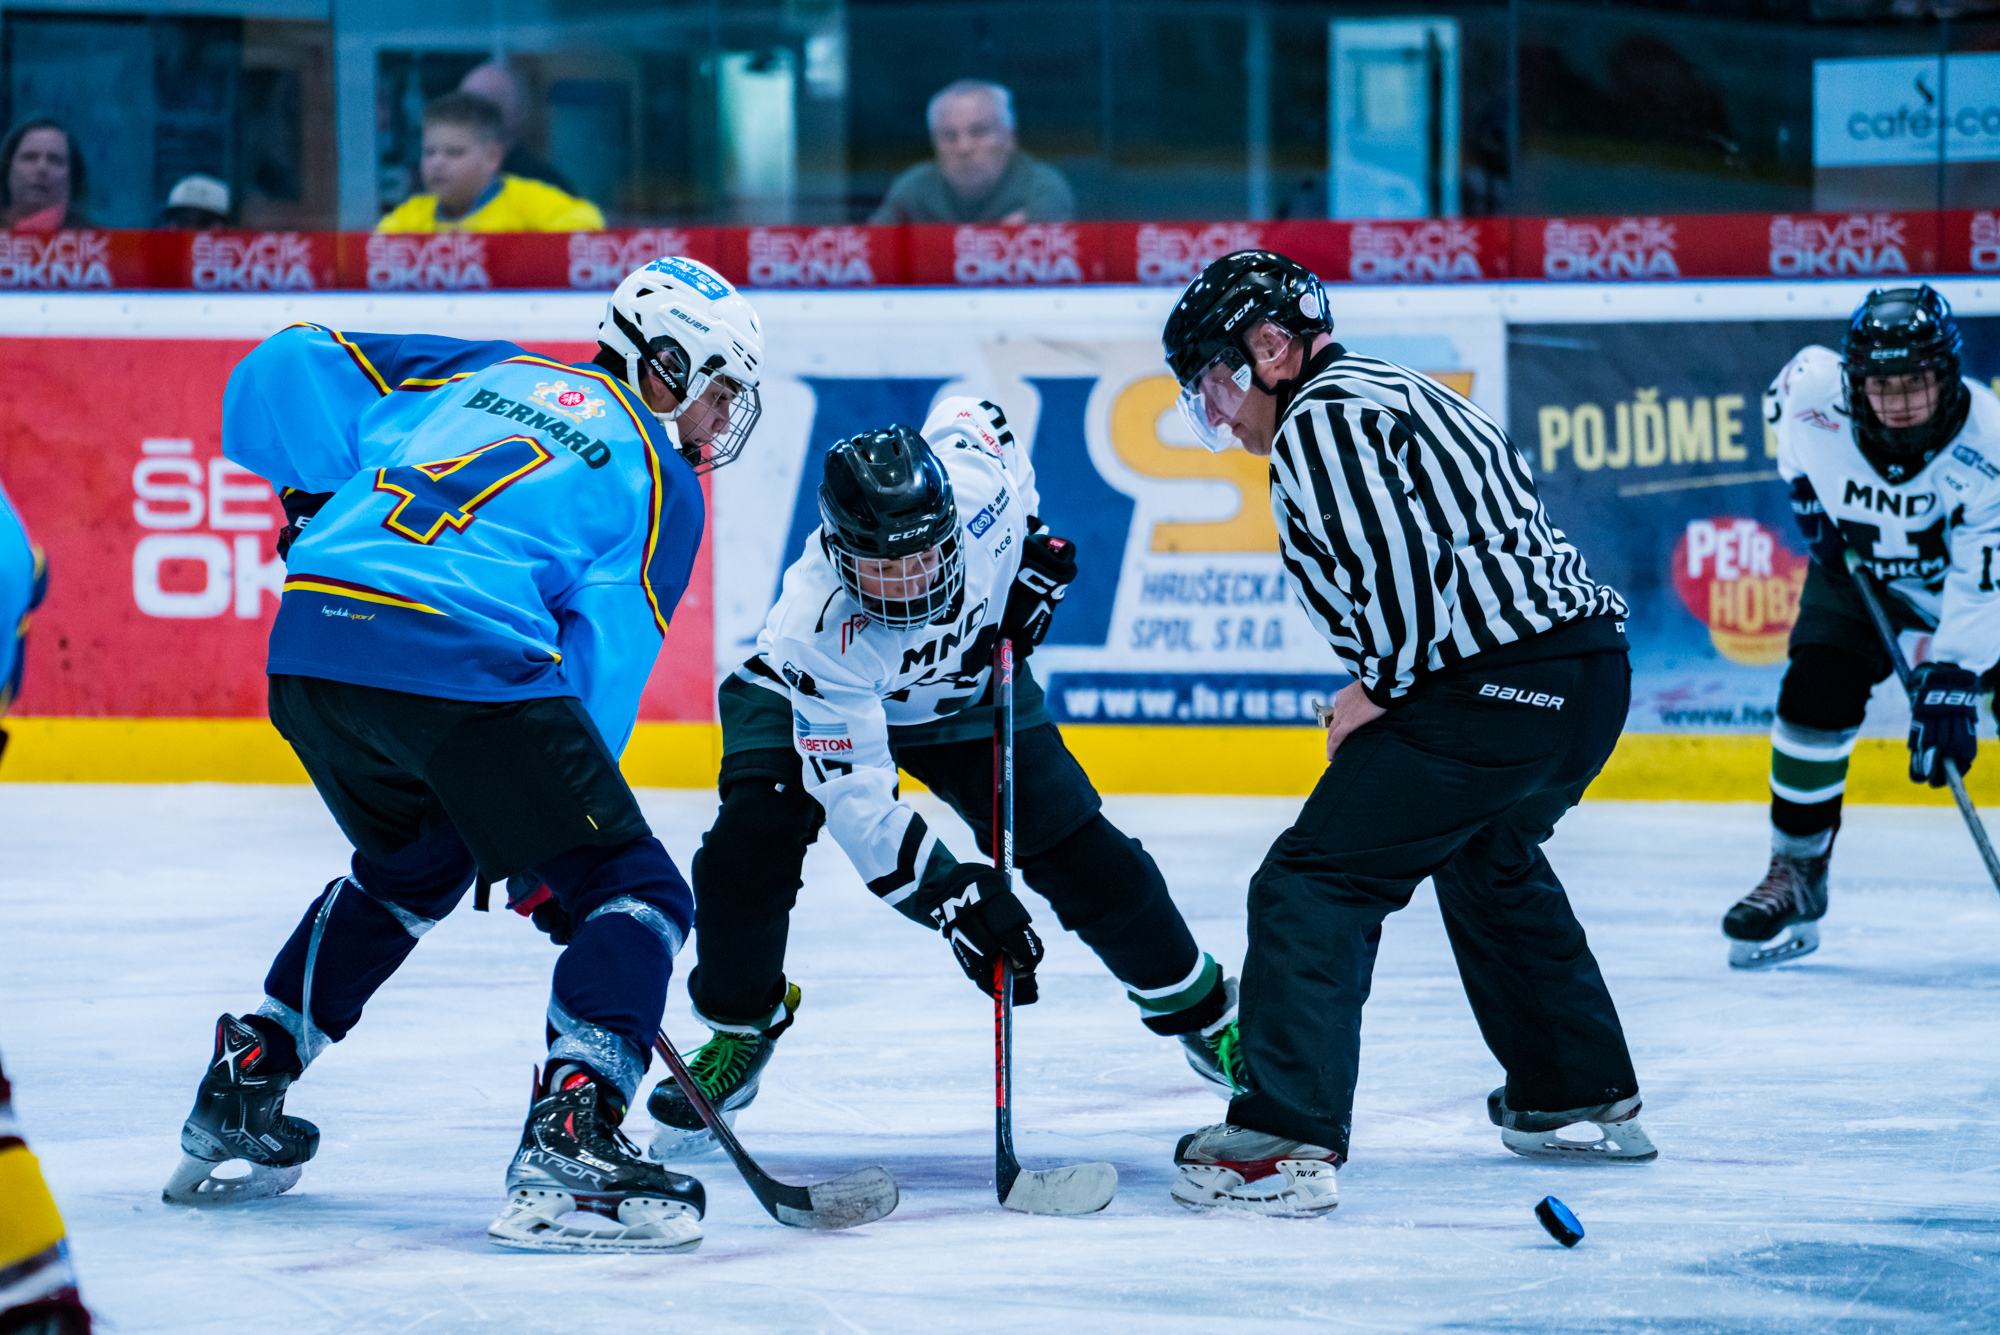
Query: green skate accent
[[1228, 1046], [1182, 997], [1807, 781], [722, 1060]]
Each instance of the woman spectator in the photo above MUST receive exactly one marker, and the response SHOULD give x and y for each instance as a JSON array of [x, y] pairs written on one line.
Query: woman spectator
[[42, 188]]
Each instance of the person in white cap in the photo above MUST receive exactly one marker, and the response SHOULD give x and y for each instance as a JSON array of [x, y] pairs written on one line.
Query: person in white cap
[[197, 203]]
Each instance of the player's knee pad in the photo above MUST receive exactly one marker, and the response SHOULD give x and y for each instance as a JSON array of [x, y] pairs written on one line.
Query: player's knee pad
[[1826, 688], [751, 857], [636, 879], [420, 883]]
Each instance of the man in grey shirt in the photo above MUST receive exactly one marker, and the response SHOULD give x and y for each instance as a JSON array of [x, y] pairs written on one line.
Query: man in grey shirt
[[979, 175]]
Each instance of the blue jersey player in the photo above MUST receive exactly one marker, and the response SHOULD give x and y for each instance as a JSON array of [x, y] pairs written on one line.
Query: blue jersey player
[[485, 549], [24, 578]]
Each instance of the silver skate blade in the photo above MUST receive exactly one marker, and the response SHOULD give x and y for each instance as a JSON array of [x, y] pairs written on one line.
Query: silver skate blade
[[1616, 1142], [205, 1183], [860, 1197], [673, 1142], [540, 1221], [1083, 1188], [1801, 938]]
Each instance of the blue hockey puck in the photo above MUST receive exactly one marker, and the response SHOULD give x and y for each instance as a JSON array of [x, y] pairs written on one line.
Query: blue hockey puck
[[1558, 1220]]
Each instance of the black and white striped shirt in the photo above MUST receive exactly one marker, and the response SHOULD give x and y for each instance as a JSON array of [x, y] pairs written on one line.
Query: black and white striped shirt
[[1411, 526]]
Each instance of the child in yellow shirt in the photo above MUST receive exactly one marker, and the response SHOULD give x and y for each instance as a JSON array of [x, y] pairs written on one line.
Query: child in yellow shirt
[[464, 143]]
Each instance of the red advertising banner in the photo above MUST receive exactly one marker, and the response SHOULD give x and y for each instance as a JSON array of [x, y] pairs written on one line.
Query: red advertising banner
[[258, 261], [1036, 255], [1726, 245], [1969, 241], [817, 257], [89, 259], [1636, 248], [163, 577]]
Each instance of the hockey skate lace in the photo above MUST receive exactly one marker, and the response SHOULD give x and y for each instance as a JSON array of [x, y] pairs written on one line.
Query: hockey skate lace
[[1775, 893], [722, 1060], [1229, 1053]]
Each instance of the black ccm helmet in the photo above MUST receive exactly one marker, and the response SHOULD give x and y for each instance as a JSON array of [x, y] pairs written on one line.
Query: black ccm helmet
[[886, 497], [1219, 309], [1903, 331]]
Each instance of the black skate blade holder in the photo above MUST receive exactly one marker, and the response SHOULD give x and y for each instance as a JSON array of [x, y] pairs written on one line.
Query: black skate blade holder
[[1864, 580], [859, 1197]]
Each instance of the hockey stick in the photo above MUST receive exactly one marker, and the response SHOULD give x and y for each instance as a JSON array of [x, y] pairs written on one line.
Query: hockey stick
[[1080, 1188], [1864, 580], [859, 1197]]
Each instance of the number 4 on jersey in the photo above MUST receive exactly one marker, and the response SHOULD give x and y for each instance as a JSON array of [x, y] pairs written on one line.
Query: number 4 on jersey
[[449, 492]]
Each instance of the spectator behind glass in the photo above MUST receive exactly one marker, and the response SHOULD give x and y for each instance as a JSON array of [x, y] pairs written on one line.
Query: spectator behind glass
[[503, 86], [197, 203], [42, 189], [979, 175], [464, 143]]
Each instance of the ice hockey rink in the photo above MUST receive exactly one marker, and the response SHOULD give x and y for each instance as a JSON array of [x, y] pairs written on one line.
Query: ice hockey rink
[[1829, 1132]]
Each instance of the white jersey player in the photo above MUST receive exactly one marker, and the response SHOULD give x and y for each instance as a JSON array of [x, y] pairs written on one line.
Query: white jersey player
[[1893, 457], [878, 654]]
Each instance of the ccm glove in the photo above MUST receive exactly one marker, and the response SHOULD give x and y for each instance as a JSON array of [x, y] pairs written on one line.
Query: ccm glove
[[983, 919], [1942, 721], [300, 507], [1822, 535], [1048, 565]]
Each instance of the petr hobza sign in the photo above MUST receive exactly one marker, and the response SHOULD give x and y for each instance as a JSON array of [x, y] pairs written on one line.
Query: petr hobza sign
[[1886, 112]]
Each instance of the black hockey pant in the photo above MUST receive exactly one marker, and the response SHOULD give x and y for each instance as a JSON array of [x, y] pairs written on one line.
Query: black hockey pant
[[1103, 884], [1464, 788]]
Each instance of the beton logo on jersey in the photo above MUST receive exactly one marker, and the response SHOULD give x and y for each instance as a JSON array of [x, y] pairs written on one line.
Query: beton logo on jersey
[[820, 738], [850, 629]]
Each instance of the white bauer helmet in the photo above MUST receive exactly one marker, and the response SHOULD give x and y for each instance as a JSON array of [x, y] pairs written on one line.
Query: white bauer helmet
[[689, 326]]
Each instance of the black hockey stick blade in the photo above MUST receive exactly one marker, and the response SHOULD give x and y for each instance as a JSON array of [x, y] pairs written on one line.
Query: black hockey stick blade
[[860, 1197], [1864, 580]]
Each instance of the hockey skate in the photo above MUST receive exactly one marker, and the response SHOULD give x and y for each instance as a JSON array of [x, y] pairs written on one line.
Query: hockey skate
[[1537, 1135], [1791, 899], [578, 1185], [727, 1068], [1215, 1052], [1226, 1167], [239, 1144]]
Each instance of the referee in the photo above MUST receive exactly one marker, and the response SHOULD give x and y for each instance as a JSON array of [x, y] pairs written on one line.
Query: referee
[[1490, 684]]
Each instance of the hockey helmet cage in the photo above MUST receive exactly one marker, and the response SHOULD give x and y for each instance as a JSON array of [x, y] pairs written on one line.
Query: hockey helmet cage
[[1204, 338], [889, 523], [1904, 331], [689, 326]]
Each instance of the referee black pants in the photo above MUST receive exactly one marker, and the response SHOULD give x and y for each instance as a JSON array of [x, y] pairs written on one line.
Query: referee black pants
[[1461, 781]]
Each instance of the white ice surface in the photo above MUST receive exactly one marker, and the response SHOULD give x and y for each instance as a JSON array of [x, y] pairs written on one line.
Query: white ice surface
[[1829, 1152]]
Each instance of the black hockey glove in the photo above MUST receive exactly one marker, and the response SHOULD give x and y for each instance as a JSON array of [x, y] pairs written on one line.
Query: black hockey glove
[[1943, 721], [300, 507], [529, 896], [1048, 564], [1822, 535], [982, 918]]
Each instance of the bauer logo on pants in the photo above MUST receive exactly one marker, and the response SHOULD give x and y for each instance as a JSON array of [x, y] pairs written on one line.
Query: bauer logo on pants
[[1521, 696]]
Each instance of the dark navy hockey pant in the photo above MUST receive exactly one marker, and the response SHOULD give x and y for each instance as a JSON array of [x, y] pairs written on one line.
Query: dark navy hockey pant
[[429, 789]]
